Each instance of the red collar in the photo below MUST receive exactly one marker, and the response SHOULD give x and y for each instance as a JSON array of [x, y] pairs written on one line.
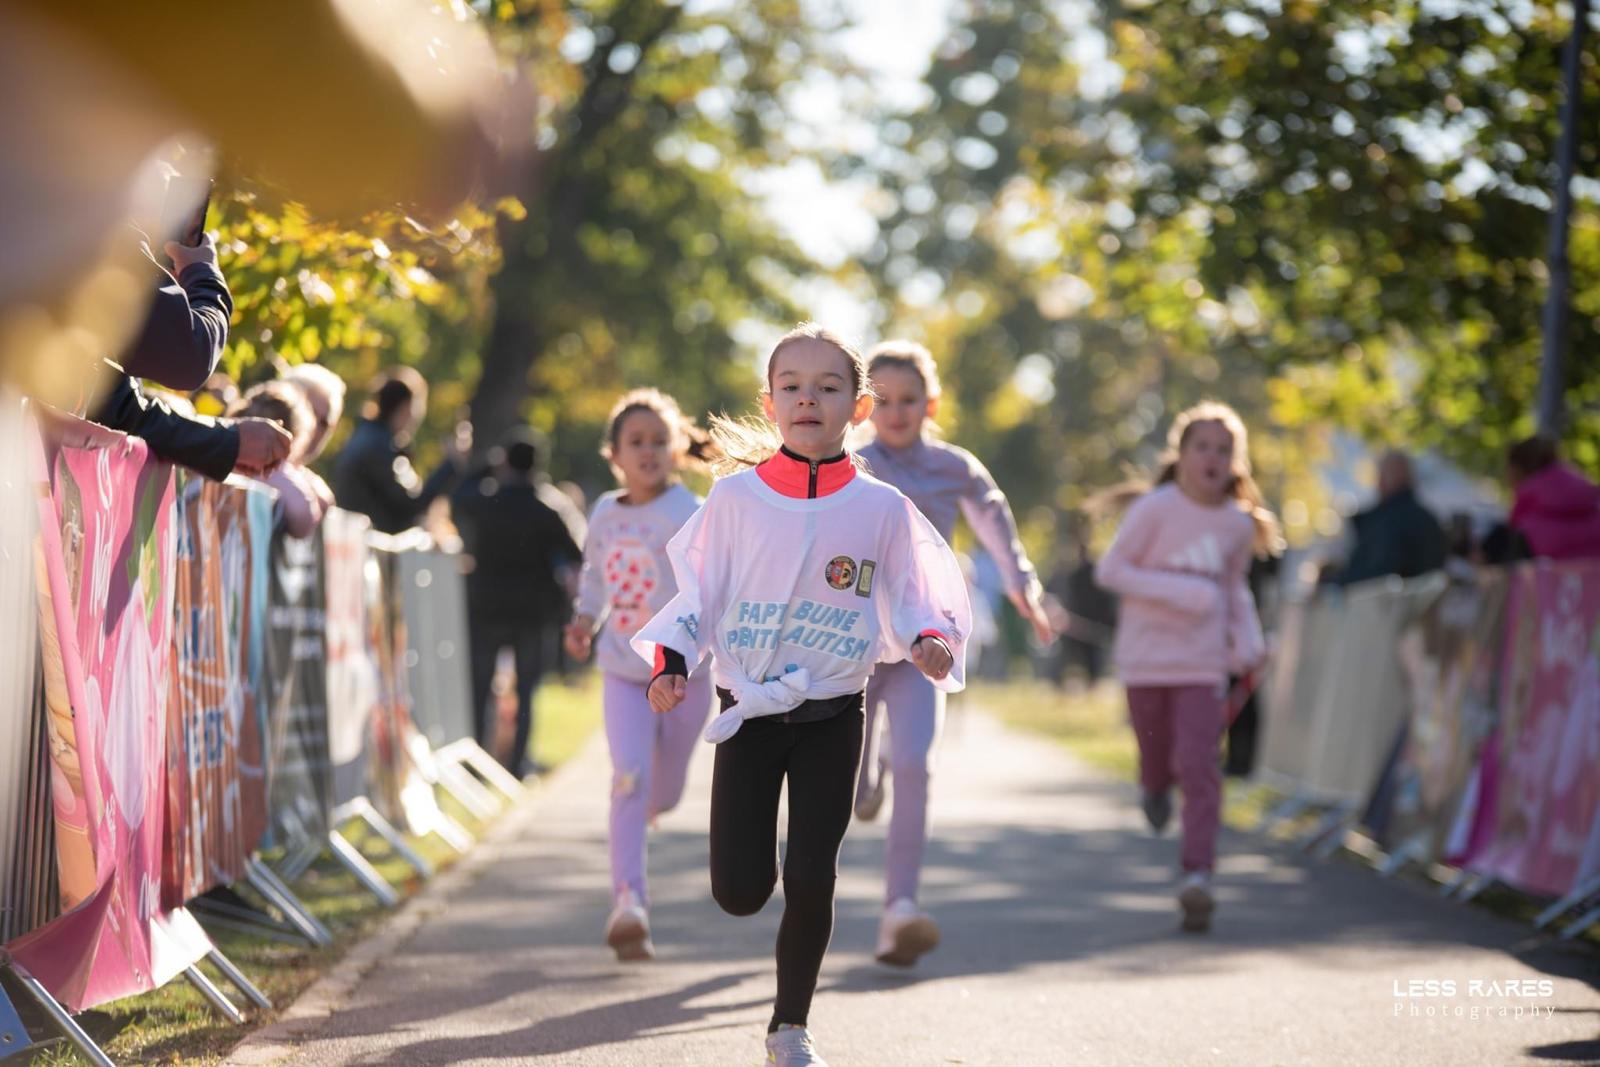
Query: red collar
[[794, 475]]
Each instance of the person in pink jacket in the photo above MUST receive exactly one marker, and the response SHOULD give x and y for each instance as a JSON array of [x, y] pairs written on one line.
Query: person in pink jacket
[[1557, 509], [1180, 563]]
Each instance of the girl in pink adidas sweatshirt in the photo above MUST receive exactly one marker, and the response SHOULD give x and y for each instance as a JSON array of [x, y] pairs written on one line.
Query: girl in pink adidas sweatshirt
[[1187, 621], [798, 575]]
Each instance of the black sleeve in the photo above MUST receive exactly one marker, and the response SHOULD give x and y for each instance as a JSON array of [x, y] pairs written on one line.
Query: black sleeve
[[669, 661], [444, 477], [212, 448], [564, 550], [374, 469], [185, 330]]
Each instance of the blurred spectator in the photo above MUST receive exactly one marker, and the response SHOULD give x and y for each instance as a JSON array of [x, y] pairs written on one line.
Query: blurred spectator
[[1459, 536], [1089, 621], [373, 474], [303, 498], [324, 391], [178, 346], [1501, 545], [520, 547], [1557, 509], [1397, 535]]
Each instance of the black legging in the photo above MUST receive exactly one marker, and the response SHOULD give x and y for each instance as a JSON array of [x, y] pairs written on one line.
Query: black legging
[[820, 759]]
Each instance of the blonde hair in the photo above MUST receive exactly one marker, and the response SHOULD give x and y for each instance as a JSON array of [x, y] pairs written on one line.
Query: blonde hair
[[909, 355], [1241, 487], [689, 441], [750, 440]]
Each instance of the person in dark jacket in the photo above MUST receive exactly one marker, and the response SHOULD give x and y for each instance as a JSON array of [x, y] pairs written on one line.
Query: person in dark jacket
[[178, 345], [373, 474], [520, 548], [1090, 617], [1397, 535]]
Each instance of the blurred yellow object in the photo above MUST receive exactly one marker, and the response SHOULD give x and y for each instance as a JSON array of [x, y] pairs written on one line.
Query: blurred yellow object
[[346, 105]]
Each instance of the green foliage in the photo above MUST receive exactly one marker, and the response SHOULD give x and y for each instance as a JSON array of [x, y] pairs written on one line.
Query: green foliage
[[1324, 213], [645, 258], [1328, 214]]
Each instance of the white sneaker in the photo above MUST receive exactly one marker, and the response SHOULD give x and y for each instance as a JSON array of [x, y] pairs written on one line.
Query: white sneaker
[[628, 929], [905, 933], [868, 806], [1194, 897], [791, 1046]]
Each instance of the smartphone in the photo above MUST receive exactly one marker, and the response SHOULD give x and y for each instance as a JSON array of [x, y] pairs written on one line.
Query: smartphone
[[183, 218]]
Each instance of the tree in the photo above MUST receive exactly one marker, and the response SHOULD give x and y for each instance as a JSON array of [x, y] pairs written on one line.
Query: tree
[[643, 254], [1320, 212]]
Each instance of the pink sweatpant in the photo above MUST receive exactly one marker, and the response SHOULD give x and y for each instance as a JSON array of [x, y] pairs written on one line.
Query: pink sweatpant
[[649, 764], [1179, 728]]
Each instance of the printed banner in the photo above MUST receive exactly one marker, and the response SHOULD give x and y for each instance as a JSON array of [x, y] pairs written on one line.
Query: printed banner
[[352, 674], [105, 556], [1307, 645], [400, 753], [1452, 662], [439, 671], [216, 792], [1338, 697], [1548, 788], [300, 789]]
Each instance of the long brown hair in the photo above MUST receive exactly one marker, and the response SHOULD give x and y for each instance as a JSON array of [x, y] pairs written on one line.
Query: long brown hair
[[749, 440], [1241, 487], [689, 441]]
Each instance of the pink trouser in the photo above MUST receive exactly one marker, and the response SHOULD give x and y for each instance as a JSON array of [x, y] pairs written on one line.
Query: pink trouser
[[1179, 728], [649, 765]]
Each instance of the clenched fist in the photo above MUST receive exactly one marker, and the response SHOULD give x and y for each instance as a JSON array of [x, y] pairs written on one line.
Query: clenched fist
[[932, 657]]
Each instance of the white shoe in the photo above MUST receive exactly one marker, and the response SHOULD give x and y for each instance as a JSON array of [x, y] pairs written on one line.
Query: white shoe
[[905, 934], [868, 805], [628, 929], [791, 1046], [1194, 897]]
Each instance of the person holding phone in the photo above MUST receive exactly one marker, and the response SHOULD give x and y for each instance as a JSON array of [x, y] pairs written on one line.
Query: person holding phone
[[178, 346]]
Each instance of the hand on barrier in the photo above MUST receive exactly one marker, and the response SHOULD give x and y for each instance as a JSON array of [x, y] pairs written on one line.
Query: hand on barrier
[[263, 444]]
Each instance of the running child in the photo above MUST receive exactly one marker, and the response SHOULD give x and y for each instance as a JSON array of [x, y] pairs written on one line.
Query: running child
[[797, 576], [1180, 562], [625, 579], [944, 482]]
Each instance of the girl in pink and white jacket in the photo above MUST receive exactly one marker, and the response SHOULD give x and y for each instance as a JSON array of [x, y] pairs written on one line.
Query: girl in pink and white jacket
[[1180, 563], [798, 575], [625, 579], [946, 483]]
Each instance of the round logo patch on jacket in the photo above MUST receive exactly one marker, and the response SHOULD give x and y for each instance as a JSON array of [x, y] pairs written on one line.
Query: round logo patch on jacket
[[841, 572]]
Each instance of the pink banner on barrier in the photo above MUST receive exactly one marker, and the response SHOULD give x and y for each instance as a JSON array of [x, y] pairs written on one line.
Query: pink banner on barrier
[[1548, 789], [105, 586]]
